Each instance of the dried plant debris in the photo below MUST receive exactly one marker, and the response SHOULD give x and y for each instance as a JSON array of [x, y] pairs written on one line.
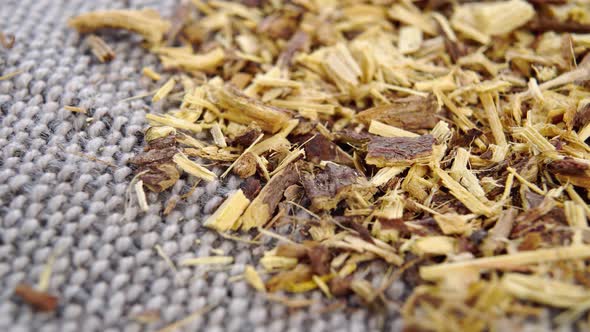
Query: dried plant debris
[[145, 22], [101, 50], [7, 40], [38, 300], [447, 140]]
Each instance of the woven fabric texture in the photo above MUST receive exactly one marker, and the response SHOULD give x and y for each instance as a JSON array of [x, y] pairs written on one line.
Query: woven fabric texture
[[55, 201]]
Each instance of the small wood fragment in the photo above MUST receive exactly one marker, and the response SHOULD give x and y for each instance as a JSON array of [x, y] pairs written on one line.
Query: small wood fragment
[[211, 260], [399, 151], [101, 50], [242, 109], [327, 187], [253, 278], [146, 22], [408, 113], [164, 90], [228, 213], [7, 40], [260, 211], [149, 72], [40, 301], [507, 261], [76, 109], [193, 168]]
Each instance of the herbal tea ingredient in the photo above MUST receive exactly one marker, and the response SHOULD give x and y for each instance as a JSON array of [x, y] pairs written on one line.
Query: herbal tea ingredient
[[443, 140]]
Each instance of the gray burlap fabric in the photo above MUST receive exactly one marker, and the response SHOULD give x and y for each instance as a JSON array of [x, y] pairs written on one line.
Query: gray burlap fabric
[[55, 202]]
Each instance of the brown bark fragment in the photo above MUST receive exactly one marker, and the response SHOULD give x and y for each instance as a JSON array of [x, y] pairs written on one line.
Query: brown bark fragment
[[253, 3], [162, 143], [297, 43], [582, 117], [568, 167], [352, 137], [160, 177], [40, 301], [282, 280], [7, 40], [545, 24], [264, 205], [319, 257], [246, 110], [251, 187], [410, 113], [153, 156], [241, 80], [246, 166], [247, 136], [573, 171], [157, 161], [328, 186], [394, 151], [278, 25], [319, 148], [340, 286], [362, 231], [466, 139], [293, 250], [531, 241]]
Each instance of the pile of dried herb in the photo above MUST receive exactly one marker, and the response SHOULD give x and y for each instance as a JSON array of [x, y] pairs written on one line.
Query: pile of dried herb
[[445, 138]]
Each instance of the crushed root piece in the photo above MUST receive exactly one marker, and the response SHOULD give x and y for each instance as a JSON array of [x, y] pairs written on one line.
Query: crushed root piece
[[408, 113], [508, 261], [211, 260], [164, 91], [193, 168], [149, 72], [38, 300], [227, 215], [146, 22], [101, 50], [253, 278], [399, 151], [243, 109], [76, 109], [262, 208], [330, 185]]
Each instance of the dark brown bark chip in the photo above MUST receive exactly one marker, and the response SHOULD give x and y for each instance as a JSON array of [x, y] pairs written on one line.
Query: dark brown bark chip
[[352, 137], [319, 257], [278, 185], [547, 24], [247, 137], [251, 187], [161, 143], [154, 156], [160, 177], [40, 301], [319, 148], [298, 42], [340, 286], [328, 186], [568, 167], [466, 139], [582, 117], [408, 113], [279, 25], [391, 151]]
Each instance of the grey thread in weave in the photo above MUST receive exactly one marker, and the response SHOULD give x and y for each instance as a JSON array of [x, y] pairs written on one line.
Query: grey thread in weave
[[54, 202]]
